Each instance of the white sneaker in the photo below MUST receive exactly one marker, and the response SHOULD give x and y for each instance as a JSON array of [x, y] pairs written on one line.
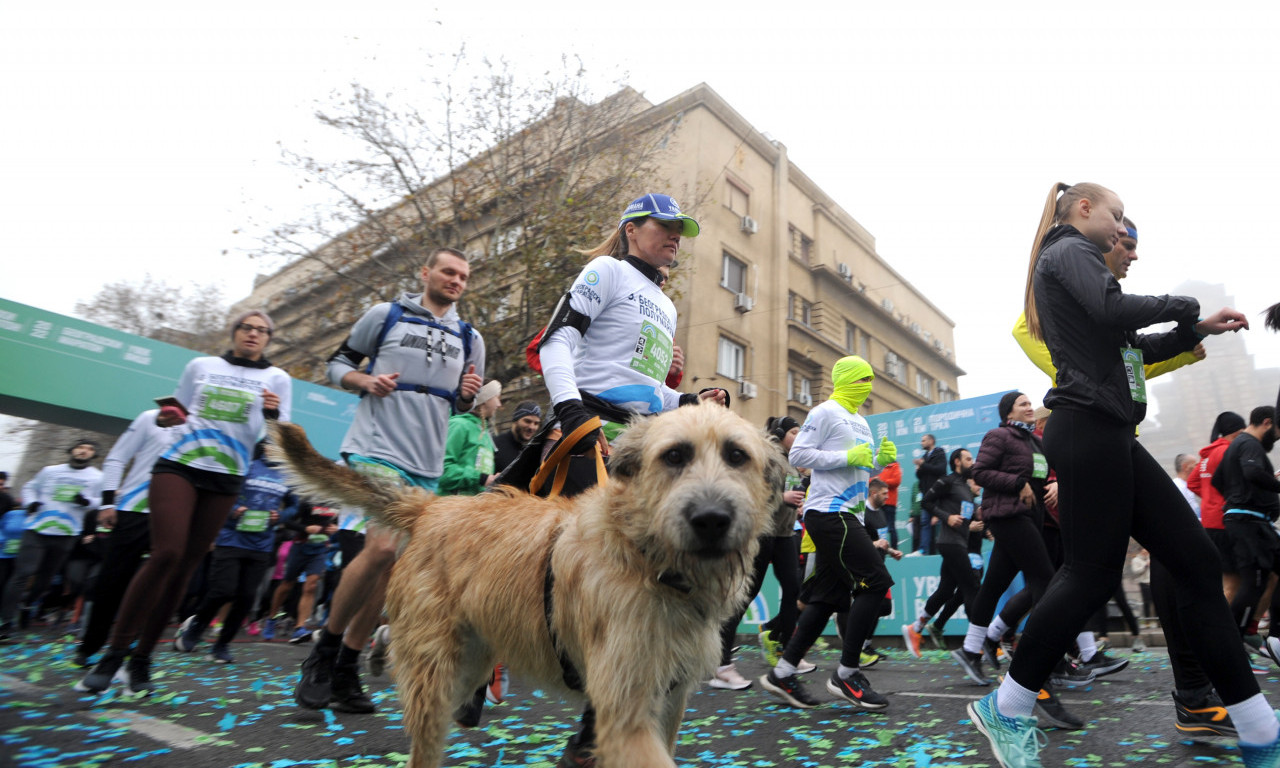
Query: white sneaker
[[727, 678], [804, 667]]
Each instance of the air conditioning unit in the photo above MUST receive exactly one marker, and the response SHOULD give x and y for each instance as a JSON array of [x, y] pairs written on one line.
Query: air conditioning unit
[[747, 390], [743, 302], [750, 225], [937, 344], [844, 271], [806, 400], [887, 305]]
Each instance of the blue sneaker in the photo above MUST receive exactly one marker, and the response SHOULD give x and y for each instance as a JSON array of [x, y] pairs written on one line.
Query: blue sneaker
[[221, 654], [1016, 741], [1261, 756], [269, 629]]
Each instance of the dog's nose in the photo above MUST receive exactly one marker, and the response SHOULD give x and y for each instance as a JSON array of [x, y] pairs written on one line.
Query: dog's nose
[[709, 524]]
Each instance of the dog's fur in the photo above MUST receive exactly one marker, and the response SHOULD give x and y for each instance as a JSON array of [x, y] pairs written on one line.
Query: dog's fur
[[689, 493]]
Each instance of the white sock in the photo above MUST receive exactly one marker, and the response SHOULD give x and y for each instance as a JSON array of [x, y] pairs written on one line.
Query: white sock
[[973, 639], [1087, 644], [918, 626], [845, 672], [997, 629], [784, 668], [1013, 700], [1255, 721]]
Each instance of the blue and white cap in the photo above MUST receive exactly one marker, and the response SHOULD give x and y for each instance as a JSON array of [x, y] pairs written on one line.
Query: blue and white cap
[[662, 207]]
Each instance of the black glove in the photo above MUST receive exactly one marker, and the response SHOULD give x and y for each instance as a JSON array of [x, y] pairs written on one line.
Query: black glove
[[80, 499], [573, 414], [34, 507]]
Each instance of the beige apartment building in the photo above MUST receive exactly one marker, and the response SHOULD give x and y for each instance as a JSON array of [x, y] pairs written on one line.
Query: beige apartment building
[[780, 283]]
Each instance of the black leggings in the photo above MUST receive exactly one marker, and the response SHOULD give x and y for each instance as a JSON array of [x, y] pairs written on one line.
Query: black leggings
[[780, 552], [958, 578], [1019, 547], [1110, 489]]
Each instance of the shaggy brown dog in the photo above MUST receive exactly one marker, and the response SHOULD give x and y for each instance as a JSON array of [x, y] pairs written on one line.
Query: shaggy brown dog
[[644, 570]]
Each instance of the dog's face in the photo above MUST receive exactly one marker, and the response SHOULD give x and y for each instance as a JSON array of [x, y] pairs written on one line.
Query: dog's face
[[697, 480]]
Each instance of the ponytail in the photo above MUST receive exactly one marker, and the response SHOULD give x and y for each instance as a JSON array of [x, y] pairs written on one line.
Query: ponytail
[[1057, 209], [614, 245]]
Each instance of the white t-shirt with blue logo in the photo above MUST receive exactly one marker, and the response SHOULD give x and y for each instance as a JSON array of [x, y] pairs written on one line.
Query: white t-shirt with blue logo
[[826, 436]]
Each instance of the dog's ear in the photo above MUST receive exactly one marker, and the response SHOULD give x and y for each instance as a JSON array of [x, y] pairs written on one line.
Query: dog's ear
[[775, 472], [626, 454]]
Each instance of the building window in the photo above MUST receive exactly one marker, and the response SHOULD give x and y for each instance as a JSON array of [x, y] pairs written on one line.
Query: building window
[[895, 367], [924, 386], [801, 245], [731, 360], [945, 395], [799, 388], [733, 274], [506, 240], [799, 309], [864, 347], [739, 200], [850, 338]]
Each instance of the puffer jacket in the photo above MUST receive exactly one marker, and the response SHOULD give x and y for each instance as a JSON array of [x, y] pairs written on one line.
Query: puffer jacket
[[1086, 319], [1005, 463]]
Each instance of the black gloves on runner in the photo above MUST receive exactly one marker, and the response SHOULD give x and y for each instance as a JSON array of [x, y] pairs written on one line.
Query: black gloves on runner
[[573, 414]]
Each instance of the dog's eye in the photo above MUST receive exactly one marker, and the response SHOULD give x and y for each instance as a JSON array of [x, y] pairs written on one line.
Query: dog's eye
[[675, 457], [735, 456]]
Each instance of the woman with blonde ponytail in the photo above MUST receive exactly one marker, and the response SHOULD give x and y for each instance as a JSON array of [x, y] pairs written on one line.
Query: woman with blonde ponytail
[[1109, 486]]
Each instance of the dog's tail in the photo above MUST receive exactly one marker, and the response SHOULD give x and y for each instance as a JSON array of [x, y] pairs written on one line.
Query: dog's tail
[[321, 480]]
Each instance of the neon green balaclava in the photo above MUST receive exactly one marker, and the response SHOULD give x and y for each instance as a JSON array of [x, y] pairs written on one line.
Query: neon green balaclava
[[849, 392]]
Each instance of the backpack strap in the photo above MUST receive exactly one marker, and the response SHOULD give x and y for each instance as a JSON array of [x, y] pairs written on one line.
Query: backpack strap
[[395, 314]]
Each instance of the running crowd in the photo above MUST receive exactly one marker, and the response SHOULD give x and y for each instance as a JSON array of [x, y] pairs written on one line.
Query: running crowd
[[189, 522]]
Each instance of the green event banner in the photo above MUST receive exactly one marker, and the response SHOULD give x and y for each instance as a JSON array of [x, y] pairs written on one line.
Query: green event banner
[[62, 370]]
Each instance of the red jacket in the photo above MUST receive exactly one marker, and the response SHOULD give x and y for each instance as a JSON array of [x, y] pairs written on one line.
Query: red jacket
[[892, 477], [1201, 483]]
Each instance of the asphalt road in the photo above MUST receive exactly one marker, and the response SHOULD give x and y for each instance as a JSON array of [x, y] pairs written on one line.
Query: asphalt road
[[206, 714]]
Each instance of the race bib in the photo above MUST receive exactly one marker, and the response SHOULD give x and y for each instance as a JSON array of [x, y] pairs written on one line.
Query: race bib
[[652, 353], [318, 538], [66, 493], [12, 546], [484, 460], [1134, 372], [226, 404], [1039, 466], [253, 521], [966, 510], [883, 533], [975, 561]]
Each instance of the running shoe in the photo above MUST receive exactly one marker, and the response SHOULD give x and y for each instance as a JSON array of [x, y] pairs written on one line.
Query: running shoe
[[500, 683], [1272, 648], [789, 689], [138, 682], [188, 636], [971, 663], [770, 649], [1260, 755], [729, 679], [1137, 646], [468, 715], [869, 659], [991, 652], [913, 639], [856, 690], [1016, 741], [1204, 718], [348, 693], [220, 653], [100, 677], [378, 648], [1069, 675], [315, 687], [300, 635], [936, 637], [255, 628], [269, 629], [1051, 714], [1253, 644], [805, 667], [1101, 664]]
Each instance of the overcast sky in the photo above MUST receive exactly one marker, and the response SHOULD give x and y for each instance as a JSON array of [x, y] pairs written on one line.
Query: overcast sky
[[145, 137]]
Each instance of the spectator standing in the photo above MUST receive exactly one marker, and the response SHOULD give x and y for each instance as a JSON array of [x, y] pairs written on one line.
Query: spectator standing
[[930, 468], [525, 421], [1184, 465], [469, 453]]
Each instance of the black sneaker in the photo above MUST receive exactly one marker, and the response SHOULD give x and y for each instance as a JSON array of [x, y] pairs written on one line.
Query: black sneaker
[[138, 682], [1102, 664], [1068, 674], [971, 663], [348, 694], [1051, 714], [789, 689], [99, 678], [468, 715], [856, 690], [1205, 718], [315, 688], [81, 659], [991, 652]]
